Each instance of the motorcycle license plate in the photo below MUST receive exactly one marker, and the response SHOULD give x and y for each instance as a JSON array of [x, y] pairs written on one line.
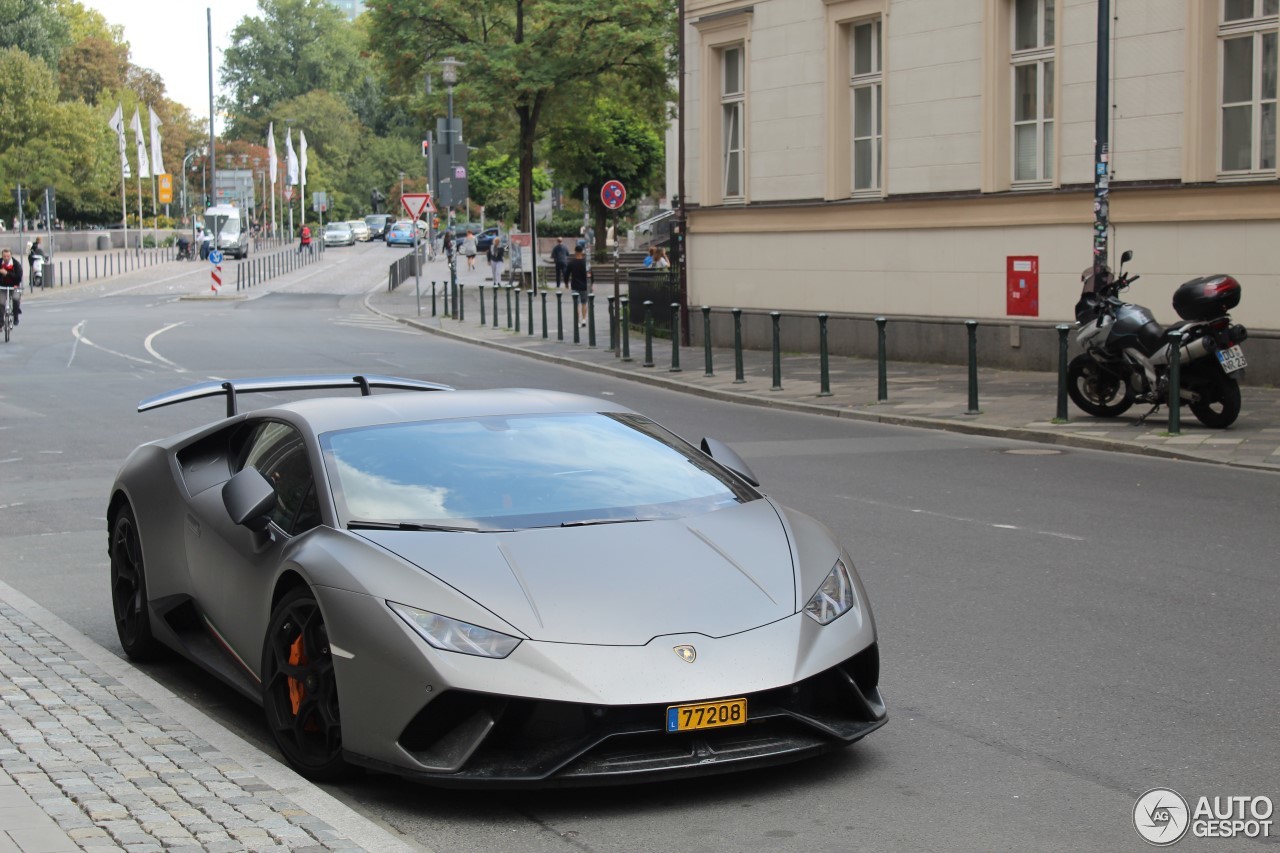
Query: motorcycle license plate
[[1231, 359]]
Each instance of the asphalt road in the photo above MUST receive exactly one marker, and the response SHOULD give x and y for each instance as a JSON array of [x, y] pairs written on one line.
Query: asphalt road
[[1060, 630]]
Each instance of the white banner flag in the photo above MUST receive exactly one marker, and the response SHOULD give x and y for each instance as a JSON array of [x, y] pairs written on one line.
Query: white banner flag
[[117, 124], [157, 158], [271, 151], [302, 145], [290, 159], [144, 168]]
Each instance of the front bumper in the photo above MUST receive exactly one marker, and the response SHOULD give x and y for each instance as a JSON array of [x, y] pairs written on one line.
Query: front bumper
[[566, 714]]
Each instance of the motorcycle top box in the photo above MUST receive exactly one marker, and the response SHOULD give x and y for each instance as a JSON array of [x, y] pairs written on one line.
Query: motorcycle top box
[[1206, 298]]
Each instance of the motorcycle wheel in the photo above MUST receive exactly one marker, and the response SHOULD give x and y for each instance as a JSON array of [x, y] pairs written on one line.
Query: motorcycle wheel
[[1096, 391], [1219, 404]]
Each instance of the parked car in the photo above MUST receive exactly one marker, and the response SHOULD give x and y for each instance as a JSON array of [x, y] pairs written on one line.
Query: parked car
[[403, 584], [339, 234], [400, 234], [379, 224], [485, 238], [361, 229]]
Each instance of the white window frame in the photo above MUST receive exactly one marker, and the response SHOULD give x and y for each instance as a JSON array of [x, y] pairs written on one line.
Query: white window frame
[[1263, 24], [1041, 56], [872, 81], [733, 108]]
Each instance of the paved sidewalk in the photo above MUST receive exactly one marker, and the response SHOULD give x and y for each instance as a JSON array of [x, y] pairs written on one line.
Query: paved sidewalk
[[94, 755], [1011, 404]]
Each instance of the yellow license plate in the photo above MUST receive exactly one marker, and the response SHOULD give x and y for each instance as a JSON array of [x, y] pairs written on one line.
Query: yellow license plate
[[707, 715]]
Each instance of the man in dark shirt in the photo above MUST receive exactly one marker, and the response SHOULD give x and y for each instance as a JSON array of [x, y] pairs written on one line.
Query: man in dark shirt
[[560, 257], [578, 275]]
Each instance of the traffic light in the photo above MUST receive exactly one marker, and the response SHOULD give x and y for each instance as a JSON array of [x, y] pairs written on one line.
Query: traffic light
[[20, 196], [426, 148]]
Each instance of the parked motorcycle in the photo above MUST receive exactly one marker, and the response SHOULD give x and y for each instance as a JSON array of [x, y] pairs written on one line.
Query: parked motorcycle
[[1127, 353]]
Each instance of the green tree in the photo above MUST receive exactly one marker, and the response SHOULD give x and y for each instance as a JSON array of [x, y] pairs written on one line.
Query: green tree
[[296, 46], [524, 53], [610, 141], [36, 27], [91, 67], [494, 183]]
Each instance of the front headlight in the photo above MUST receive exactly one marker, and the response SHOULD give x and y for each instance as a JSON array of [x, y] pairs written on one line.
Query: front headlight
[[450, 635], [834, 598]]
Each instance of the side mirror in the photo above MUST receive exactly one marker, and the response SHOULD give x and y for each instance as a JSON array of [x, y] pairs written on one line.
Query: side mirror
[[1127, 256], [249, 498], [725, 455]]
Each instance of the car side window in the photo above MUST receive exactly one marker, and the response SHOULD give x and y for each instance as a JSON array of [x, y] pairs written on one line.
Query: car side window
[[279, 453]]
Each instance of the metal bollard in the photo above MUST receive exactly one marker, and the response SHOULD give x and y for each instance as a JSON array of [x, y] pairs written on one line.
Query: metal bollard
[[496, 286], [433, 298], [882, 372], [591, 319], [706, 339], [530, 297], [480, 294], [777, 351], [824, 363], [506, 289], [648, 333], [544, 315], [613, 327], [738, 375], [517, 298], [1175, 382], [624, 328], [576, 337], [972, 326], [459, 304], [1062, 328], [675, 338], [560, 316]]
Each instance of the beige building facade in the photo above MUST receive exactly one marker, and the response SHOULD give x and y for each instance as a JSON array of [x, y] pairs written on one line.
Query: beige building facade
[[864, 157]]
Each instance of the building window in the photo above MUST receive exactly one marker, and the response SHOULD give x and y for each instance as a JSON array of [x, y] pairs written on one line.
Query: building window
[[1247, 39], [732, 102], [865, 90], [1033, 86]]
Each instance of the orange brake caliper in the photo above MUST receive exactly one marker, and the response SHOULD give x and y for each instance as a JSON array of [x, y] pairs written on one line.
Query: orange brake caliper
[[297, 692]]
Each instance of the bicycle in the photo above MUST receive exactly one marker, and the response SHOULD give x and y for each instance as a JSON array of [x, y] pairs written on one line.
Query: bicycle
[[8, 311]]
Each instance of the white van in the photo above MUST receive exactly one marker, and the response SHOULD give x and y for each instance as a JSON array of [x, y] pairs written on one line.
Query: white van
[[228, 229]]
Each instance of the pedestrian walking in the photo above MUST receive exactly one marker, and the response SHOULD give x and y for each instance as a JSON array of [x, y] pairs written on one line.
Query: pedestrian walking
[[579, 278], [469, 249], [304, 242], [560, 257], [496, 255]]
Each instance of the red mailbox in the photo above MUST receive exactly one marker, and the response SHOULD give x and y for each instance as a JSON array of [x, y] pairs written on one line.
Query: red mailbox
[[1022, 283]]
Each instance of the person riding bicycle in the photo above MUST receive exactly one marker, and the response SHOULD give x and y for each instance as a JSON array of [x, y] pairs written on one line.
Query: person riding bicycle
[[11, 276]]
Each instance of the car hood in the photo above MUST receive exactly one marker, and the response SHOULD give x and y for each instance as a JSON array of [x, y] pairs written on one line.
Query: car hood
[[619, 584]]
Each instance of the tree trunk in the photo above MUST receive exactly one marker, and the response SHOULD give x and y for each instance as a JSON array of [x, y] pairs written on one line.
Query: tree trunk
[[527, 127]]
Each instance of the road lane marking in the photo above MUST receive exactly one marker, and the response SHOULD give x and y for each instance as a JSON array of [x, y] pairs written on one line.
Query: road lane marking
[[882, 504], [151, 337], [78, 333]]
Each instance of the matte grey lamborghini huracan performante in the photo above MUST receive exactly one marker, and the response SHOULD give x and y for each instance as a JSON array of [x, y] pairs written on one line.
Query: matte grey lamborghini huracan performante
[[490, 587]]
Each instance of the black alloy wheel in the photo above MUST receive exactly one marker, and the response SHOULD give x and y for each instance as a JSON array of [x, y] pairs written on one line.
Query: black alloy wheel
[[1219, 403], [300, 689], [1095, 390], [129, 589]]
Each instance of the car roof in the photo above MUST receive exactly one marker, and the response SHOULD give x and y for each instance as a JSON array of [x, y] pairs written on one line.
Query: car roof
[[327, 414]]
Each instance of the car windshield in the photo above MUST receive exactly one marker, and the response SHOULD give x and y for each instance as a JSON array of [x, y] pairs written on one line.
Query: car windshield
[[338, 226], [514, 472], [375, 221]]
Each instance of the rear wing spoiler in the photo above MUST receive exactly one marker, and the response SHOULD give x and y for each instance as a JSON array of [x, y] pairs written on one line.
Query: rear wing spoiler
[[267, 384]]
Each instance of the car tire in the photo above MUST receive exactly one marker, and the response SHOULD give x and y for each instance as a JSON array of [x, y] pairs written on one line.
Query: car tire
[[129, 589], [300, 689]]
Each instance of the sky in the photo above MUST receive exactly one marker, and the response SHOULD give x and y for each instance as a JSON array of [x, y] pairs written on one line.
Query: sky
[[175, 42]]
